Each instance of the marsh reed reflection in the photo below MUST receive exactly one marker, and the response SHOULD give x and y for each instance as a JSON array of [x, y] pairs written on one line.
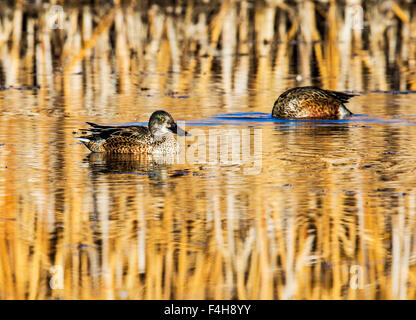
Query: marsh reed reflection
[[330, 216]]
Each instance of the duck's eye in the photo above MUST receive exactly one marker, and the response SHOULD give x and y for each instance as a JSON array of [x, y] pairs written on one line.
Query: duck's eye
[[163, 119]]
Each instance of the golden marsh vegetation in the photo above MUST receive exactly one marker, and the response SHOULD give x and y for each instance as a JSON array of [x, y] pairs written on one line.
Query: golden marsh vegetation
[[331, 215]]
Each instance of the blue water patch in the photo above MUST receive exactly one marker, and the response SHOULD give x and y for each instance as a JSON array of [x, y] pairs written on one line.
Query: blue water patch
[[261, 118], [395, 92], [396, 102], [405, 116], [245, 114]]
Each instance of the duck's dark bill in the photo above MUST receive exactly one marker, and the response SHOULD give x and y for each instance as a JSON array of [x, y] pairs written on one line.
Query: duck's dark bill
[[180, 132]]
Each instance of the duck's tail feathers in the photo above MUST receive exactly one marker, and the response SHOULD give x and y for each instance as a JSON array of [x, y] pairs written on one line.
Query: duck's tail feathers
[[344, 112], [98, 126], [86, 140], [342, 96], [93, 143]]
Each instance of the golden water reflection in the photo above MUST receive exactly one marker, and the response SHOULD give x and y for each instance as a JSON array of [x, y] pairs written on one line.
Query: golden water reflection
[[331, 215]]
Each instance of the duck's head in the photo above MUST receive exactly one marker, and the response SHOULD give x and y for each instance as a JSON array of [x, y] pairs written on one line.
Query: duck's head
[[161, 122]]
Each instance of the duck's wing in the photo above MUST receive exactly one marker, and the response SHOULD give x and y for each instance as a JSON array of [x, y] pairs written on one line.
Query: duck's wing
[[304, 93], [136, 139], [119, 139], [105, 132], [325, 107], [94, 127], [133, 132], [341, 96]]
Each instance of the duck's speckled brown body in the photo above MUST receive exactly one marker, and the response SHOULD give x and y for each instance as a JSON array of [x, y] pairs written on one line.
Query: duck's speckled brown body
[[311, 102], [158, 138]]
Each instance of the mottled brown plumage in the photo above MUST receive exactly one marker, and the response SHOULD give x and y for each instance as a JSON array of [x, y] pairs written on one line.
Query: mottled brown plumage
[[311, 102], [157, 138]]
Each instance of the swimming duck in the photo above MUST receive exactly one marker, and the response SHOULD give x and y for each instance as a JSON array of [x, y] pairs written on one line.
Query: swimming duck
[[157, 138], [311, 102]]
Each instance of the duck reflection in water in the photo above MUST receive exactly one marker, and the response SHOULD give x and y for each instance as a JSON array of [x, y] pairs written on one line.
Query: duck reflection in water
[[156, 167]]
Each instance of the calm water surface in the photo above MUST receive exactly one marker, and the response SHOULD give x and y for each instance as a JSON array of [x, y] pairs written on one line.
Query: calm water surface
[[328, 215]]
